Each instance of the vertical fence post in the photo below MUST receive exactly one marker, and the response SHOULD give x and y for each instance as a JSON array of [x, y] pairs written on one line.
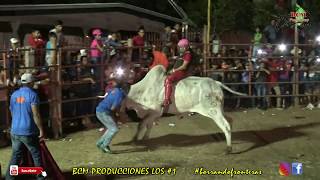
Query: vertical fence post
[[101, 64], [5, 62], [296, 67], [205, 51], [59, 91], [250, 71]]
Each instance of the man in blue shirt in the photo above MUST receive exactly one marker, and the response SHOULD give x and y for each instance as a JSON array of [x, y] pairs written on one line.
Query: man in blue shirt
[[112, 101], [26, 128]]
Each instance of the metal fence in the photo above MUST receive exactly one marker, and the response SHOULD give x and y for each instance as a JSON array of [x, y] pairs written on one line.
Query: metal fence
[[58, 108]]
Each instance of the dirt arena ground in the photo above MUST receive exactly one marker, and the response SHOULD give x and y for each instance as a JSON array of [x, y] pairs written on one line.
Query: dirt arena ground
[[261, 140]]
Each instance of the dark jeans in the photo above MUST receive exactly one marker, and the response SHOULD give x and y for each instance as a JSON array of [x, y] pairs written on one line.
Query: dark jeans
[[3, 115], [96, 69], [32, 144], [261, 90]]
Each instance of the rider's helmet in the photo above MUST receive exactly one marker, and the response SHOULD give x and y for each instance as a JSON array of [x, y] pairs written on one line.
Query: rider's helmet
[[183, 43]]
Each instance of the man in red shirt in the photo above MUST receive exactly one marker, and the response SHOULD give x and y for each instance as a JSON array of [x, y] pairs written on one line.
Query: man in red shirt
[[37, 44], [138, 41], [179, 71], [273, 78]]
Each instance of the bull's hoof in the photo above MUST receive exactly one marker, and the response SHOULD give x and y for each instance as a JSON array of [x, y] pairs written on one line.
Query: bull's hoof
[[228, 150]]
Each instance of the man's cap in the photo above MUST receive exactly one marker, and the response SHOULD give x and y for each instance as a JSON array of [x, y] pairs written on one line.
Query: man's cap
[[27, 78], [83, 52], [14, 40]]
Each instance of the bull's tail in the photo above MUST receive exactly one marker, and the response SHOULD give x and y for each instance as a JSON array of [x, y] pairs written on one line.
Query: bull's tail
[[230, 90]]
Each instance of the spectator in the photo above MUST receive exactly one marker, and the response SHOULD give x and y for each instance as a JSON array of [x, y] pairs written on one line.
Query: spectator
[[85, 71], [113, 40], [261, 87], [13, 58], [138, 41], [273, 79], [96, 52], [314, 87], [271, 32], [3, 96], [167, 36], [58, 26], [174, 42], [246, 77], [26, 126], [3, 80], [113, 43], [36, 43], [284, 79], [178, 29], [256, 42], [51, 49]]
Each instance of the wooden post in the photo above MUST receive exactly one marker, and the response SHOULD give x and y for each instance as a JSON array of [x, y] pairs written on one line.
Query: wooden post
[[296, 66], [59, 92], [250, 71], [205, 51], [208, 21]]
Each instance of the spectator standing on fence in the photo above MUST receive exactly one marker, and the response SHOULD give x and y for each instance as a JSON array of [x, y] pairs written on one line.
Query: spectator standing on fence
[[37, 44], [58, 26], [261, 86], [104, 112], [51, 49], [26, 128], [13, 59], [271, 32], [113, 44], [273, 79], [138, 41], [257, 38], [96, 52]]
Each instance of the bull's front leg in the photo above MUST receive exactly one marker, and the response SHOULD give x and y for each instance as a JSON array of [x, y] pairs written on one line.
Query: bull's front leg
[[148, 131], [149, 124], [139, 129]]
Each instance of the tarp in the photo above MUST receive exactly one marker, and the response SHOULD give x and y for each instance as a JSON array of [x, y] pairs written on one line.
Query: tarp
[[49, 164]]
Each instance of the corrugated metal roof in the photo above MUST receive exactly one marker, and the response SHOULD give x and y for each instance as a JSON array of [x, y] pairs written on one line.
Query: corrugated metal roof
[[12, 10]]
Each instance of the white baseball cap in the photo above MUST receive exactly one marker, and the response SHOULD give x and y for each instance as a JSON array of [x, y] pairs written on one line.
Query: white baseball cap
[[27, 78], [14, 40], [83, 52]]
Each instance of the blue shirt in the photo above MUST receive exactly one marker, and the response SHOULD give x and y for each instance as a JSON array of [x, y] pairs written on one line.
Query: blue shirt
[[114, 98], [22, 116]]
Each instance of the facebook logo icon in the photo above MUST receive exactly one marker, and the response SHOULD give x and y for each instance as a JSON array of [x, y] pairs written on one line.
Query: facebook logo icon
[[296, 168]]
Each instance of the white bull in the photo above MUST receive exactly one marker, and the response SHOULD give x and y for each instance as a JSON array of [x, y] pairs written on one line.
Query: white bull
[[192, 94]]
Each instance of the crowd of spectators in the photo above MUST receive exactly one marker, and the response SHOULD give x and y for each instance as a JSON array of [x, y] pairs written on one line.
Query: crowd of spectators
[[266, 70]]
